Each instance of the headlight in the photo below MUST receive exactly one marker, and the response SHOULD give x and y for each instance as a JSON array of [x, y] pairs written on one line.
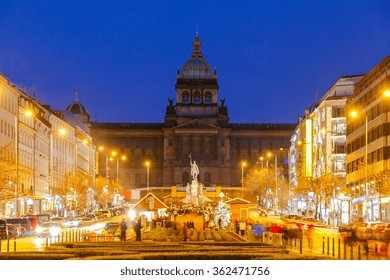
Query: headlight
[[54, 231], [39, 229]]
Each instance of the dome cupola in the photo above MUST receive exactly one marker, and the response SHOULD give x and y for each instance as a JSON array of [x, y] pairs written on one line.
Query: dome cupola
[[197, 67], [77, 108]]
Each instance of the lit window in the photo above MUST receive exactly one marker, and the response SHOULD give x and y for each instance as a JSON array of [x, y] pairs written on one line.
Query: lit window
[[185, 98], [197, 98], [207, 98]]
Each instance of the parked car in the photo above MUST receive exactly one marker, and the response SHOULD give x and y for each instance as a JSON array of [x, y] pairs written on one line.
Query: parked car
[[361, 230], [22, 222], [310, 222], [382, 232], [78, 221], [60, 221], [33, 222], [41, 218], [365, 230], [15, 231], [48, 229], [102, 213], [3, 229], [111, 227]]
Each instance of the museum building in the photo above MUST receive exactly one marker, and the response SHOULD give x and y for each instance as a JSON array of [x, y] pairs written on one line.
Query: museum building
[[196, 127]]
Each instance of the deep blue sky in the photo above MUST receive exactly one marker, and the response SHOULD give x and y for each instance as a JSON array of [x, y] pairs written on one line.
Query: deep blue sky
[[122, 56]]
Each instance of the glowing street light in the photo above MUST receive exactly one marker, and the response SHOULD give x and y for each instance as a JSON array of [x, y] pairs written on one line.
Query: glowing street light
[[147, 175], [276, 179], [243, 164]]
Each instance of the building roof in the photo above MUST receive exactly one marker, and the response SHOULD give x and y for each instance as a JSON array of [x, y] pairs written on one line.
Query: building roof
[[76, 107]]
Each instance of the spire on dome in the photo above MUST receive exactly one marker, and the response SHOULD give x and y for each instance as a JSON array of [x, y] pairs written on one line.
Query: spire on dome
[[77, 95], [197, 47]]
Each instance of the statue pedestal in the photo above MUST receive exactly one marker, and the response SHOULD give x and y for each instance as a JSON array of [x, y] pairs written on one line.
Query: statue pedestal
[[194, 192]]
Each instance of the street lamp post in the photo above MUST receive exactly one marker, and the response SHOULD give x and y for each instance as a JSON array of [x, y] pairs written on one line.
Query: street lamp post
[[243, 164], [366, 216], [276, 179], [147, 176], [366, 171]]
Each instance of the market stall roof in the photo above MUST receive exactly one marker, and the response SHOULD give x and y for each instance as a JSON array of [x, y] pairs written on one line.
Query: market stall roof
[[149, 202]]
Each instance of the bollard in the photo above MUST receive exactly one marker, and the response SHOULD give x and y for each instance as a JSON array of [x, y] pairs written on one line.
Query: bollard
[[66, 236], [1, 241], [328, 246], [62, 236], [345, 250], [47, 241], [339, 251], [7, 244], [366, 247], [323, 245], [359, 252], [300, 245], [14, 244], [333, 247], [351, 251]]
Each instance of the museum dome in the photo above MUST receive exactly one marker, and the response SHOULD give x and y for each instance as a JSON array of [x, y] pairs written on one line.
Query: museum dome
[[77, 108], [197, 67]]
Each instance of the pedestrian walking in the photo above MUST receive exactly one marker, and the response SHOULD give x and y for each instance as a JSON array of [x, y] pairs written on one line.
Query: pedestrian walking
[[242, 228], [184, 232], [123, 226], [137, 229], [309, 234]]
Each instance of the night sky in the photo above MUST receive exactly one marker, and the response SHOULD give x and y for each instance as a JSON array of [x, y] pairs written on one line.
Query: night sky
[[122, 56]]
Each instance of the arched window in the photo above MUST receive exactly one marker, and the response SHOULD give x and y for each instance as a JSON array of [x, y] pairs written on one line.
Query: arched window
[[185, 98], [207, 98], [196, 98], [137, 179], [185, 178], [207, 179]]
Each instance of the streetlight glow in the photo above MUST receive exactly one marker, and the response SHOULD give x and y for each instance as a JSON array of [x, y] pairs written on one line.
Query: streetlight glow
[[147, 163]]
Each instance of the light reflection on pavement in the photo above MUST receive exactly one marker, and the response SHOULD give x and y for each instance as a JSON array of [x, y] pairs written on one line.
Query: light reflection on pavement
[[34, 243]]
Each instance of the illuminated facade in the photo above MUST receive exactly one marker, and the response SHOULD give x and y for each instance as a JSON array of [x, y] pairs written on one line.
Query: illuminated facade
[[368, 165], [35, 157], [195, 123], [318, 151]]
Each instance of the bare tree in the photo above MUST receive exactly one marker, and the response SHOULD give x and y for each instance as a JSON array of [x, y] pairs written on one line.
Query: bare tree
[[105, 191], [76, 189]]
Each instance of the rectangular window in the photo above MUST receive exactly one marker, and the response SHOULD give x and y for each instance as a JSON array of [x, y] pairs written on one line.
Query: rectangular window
[[254, 143], [149, 143], [139, 143], [128, 143], [243, 143], [222, 143], [170, 142]]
